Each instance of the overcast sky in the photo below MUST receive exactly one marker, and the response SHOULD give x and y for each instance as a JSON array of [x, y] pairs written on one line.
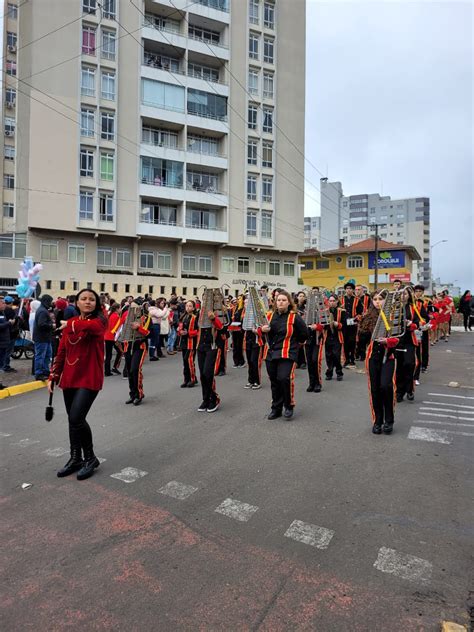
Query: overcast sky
[[389, 103]]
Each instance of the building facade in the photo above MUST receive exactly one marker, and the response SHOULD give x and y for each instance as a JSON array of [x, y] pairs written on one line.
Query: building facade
[[351, 218], [312, 232], [154, 146]]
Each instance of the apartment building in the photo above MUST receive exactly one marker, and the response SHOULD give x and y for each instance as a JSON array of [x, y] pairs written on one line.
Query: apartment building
[[312, 232], [352, 218], [153, 146]]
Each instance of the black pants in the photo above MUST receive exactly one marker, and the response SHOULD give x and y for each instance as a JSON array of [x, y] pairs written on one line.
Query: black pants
[[282, 380], [466, 320], [134, 358], [314, 357], [254, 360], [350, 335], [207, 364], [362, 344], [406, 364], [333, 356], [78, 402], [189, 368], [110, 345], [238, 348], [301, 356], [221, 363], [381, 386]]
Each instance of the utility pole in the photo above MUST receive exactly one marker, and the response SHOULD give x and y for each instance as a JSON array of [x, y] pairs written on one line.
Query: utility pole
[[376, 262]]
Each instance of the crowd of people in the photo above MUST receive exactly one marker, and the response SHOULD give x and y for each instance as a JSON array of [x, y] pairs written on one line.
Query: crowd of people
[[81, 339]]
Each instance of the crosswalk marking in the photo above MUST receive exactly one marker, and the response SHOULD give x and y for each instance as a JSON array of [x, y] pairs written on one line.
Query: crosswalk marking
[[448, 410], [403, 565], [311, 534], [24, 442], [129, 475], [448, 416], [454, 396], [428, 434], [236, 509], [56, 451], [461, 434], [177, 490], [5, 434], [450, 404], [444, 423]]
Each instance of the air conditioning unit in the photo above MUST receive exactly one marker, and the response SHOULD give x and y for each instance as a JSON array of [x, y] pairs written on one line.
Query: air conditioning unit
[[11, 49], [9, 133]]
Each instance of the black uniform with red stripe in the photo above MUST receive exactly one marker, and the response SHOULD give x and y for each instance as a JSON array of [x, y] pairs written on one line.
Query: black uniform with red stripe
[[314, 356], [354, 309], [237, 337], [406, 355], [363, 338], [424, 307], [380, 369], [222, 342], [188, 332], [334, 341], [135, 353], [207, 353], [254, 346]]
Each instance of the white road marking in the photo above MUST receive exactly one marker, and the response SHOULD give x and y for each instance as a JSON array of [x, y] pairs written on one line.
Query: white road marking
[[450, 404], [56, 451], [236, 509], [4, 410], [177, 490], [5, 434], [129, 475], [455, 396], [311, 534], [101, 459], [444, 423], [462, 434], [403, 565], [448, 410], [448, 416], [428, 434], [24, 442]]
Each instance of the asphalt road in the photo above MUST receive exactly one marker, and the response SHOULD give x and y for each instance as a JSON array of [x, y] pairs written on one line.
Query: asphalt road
[[320, 524]]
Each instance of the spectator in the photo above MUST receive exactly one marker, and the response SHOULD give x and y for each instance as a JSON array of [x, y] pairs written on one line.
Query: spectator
[[5, 326], [71, 309], [11, 313], [33, 307], [173, 320], [43, 336], [465, 309]]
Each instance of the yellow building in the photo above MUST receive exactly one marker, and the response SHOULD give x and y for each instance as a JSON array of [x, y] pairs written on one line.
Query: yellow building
[[332, 269]]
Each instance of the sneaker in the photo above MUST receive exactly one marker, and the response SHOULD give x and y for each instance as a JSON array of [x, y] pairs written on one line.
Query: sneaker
[[410, 397], [116, 371], [213, 408], [288, 413], [256, 387], [417, 382], [248, 385], [202, 408]]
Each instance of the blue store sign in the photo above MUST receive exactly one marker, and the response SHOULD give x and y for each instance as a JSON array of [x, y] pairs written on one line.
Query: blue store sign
[[388, 259]]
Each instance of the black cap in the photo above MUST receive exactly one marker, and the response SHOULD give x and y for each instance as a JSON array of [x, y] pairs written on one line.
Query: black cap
[[349, 284]]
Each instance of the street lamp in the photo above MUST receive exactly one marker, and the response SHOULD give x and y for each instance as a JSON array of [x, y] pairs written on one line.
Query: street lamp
[[441, 241]]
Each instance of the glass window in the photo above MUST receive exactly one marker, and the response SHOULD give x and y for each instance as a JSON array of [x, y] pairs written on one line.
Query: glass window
[[253, 11], [243, 265], [11, 67], [87, 81], [268, 52], [204, 35], [322, 264], [12, 12], [76, 253], [107, 125], [260, 267], [8, 181], [162, 173], [274, 268], [252, 152], [86, 205], [9, 126], [104, 257], [205, 264], [11, 40], [203, 145], [88, 40], [123, 258], [268, 85], [269, 15], [253, 45], [267, 189], [251, 224], [10, 96], [107, 88], [159, 214], [106, 207], [89, 6], [227, 264], [208, 105], [86, 163], [201, 218], [202, 181], [289, 268], [268, 120], [107, 160], [108, 44], [8, 210], [164, 261], [253, 81], [267, 153], [203, 72], [49, 251], [162, 95], [267, 219], [355, 261], [189, 263], [251, 187], [147, 259], [87, 122], [109, 9], [252, 116], [9, 152]]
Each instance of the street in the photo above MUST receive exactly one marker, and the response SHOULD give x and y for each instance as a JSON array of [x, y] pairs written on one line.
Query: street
[[228, 521]]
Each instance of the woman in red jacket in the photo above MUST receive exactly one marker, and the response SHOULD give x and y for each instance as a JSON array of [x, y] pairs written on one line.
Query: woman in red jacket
[[110, 344], [79, 370]]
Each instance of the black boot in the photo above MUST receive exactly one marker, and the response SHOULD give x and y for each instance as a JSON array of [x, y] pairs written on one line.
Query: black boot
[[75, 463], [90, 463], [310, 388], [387, 428]]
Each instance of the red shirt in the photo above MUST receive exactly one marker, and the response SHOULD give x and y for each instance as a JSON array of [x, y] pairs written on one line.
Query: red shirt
[[79, 362], [112, 321]]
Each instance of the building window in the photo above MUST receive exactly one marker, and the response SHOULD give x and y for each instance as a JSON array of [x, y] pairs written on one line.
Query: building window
[[253, 81], [162, 173], [208, 105], [251, 187], [205, 265], [227, 265], [158, 214], [274, 268], [10, 96], [87, 81], [201, 218], [108, 44], [308, 265], [268, 120], [8, 210], [203, 72], [62, 285], [164, 261], [8, 181], [289, 268], [12, 12], [189, 263], [49, 251], [109, 9], [9, 152], [86, 163], [267, 153], [123, 258], [107, 89], [268, 49], [253, 11], [243, 265], [147, 259], [322, 264], [104, 257], [106, 207], [266, 225], [88, 40], [162, 137], [261, 267], [76, 253], [269, 15], [267, 189], [253, 45], [252, 116], [107, 166], [11, 68], [86, 205], [89, 6], [87, 122], [107, 125], [202, 181], [252, 152], [204, 35], [268, 85], [198, 144], [251, 224], [11, 40], [355, 261], [13, 246], [9, 126]]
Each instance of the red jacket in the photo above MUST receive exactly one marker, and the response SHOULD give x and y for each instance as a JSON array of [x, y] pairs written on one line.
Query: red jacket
[[112, 321], [79, 362]]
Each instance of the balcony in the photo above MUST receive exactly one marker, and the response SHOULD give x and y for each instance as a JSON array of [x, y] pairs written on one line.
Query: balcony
[[204, 41], [161, 23], [164, 230], [199, 232]]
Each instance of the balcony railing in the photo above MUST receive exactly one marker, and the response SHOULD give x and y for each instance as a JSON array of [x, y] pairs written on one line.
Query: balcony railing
[[204, 188], [159, 138], [157, 221], [196, 149], [160, 62], [220, 5], [206, 40], [161, 24], [203, 226], [157, 181], [205, 76], [193, 109]]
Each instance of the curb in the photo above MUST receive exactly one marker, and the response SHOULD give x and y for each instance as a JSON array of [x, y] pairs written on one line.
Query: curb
[[19, 389], [449, 626]]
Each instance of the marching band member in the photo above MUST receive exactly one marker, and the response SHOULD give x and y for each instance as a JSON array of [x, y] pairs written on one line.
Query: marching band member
[[237, 333], [188, 332], [362, 340], [334, 340], [423, 306], [301, 308], [222, 342], [406, 350], [207, 353], [380, 369], [110, 344], [314, 357], [254, 344], [286, 330], [353, 307]]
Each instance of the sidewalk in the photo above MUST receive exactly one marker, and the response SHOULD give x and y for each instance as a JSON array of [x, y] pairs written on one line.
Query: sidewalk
[[19, 381]]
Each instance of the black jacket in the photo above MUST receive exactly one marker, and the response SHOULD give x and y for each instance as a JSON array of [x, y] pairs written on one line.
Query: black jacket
[[43, 331], [4, 330], [287, 331]]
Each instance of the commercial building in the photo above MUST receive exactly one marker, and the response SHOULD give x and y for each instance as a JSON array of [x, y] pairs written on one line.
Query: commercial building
[[312, 232], [352, 218], [331, 269], [153, 146]]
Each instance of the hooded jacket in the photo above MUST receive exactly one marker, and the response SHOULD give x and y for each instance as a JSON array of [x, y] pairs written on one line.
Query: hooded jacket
[[43, 329]]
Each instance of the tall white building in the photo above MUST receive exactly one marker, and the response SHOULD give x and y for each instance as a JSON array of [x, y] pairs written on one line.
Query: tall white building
[[351, 219], [312, 232], [155, 145]]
